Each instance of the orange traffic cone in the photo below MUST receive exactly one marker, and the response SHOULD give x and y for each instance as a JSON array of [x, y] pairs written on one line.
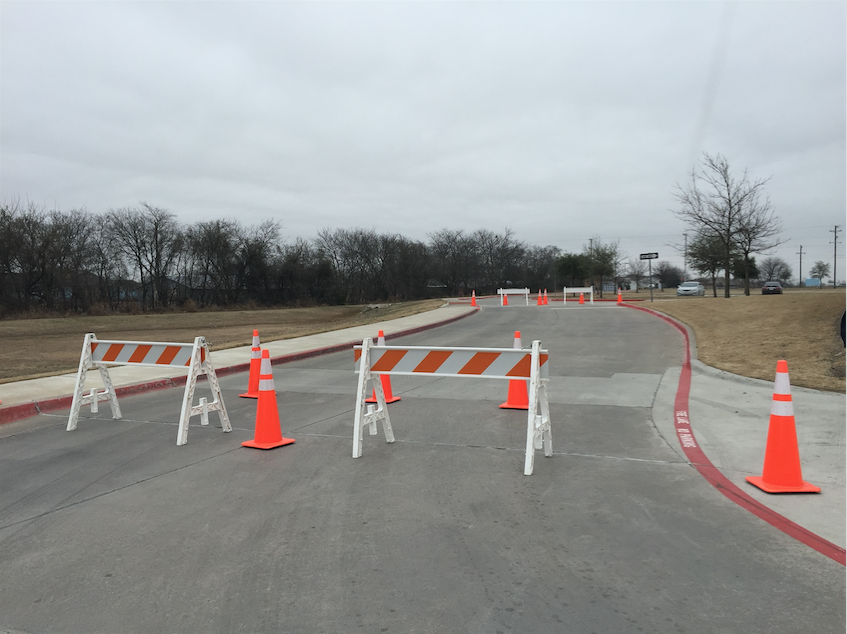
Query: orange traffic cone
[[620, 299], [781, 473], [505, 300], [540, 301], [581, 299], [545, 297], [384, 379], [518, 397], [473, 298], [255, 368], [268, 433]]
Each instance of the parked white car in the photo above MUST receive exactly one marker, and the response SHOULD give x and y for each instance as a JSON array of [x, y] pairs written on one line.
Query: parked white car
[[690, 288]]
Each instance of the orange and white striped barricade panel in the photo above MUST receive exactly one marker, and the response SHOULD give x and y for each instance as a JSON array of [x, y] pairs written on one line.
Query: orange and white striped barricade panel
[[577, 290], [513, 291], [195, 358], [481, 363]]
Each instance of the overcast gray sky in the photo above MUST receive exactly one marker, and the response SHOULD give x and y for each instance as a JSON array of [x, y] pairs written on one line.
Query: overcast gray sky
[[560, 120]]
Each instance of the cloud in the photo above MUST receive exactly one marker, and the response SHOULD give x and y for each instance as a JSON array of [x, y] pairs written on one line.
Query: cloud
[[560, 120]]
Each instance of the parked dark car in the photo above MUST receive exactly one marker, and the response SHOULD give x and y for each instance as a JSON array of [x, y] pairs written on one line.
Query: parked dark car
[[772, 288]]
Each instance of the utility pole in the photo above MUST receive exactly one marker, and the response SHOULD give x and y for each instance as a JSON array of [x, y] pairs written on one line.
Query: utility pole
[[800, 253], [685, 259], [834, 233]]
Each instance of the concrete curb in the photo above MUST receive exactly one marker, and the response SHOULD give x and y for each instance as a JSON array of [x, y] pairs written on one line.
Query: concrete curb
[[20, 411]]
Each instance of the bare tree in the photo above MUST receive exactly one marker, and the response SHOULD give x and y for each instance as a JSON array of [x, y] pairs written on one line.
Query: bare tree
[[499, 257], [636, 270], [151, 239], [540, 267], [757, 233], [774, 268], [454, 259], [730, 210]]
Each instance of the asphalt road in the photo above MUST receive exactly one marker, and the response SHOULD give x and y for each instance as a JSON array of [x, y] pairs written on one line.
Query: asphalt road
[[113, 528]]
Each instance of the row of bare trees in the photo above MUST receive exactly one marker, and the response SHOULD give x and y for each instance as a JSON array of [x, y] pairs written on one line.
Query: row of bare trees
[[143, 257]]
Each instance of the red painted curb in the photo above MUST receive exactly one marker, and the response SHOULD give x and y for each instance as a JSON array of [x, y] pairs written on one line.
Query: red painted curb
[[699, 461], [17, 412], [14, 413]]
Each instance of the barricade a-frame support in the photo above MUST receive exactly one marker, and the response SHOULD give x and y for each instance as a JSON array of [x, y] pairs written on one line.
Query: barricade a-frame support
[[199, 363], [538, 430], [373, 415]]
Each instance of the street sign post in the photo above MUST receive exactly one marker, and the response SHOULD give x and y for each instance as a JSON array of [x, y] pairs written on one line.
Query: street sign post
[[650, 257]]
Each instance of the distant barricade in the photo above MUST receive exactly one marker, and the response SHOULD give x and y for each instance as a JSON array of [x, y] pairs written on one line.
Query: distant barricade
[[504, 292], [578, 290]]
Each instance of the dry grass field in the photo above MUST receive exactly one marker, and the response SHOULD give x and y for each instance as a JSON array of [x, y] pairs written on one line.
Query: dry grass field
[[33, 348], [748, 335]]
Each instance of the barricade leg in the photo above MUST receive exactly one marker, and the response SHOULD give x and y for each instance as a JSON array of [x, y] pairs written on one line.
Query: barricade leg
[[201, 363], [109, 392], [538, 431], [373, 415], [84, 365]]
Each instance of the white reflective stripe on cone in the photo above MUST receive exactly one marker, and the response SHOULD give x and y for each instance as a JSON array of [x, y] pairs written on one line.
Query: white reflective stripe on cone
[[266, 377], [256, 353], [782, 384], [782, 408]]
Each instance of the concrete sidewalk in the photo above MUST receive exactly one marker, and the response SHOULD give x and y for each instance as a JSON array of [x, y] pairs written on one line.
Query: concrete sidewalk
[[46, 391], [730, 416]]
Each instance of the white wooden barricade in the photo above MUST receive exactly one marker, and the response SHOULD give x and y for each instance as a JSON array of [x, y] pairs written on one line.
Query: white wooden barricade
[[194, 357], [482, 363], [577, 290], [513, 291]]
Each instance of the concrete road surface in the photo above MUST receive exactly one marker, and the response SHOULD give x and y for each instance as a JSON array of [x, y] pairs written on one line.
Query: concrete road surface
[[113, 528]]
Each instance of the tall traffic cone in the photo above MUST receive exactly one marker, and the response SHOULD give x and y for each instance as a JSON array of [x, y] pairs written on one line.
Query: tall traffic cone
[[518, 397], [384, 379], [620, 299], [268, 433], [545, 297], [581, 299], [540, 301], [505, 300], [255, 368], [473, 298], [781, 473]]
